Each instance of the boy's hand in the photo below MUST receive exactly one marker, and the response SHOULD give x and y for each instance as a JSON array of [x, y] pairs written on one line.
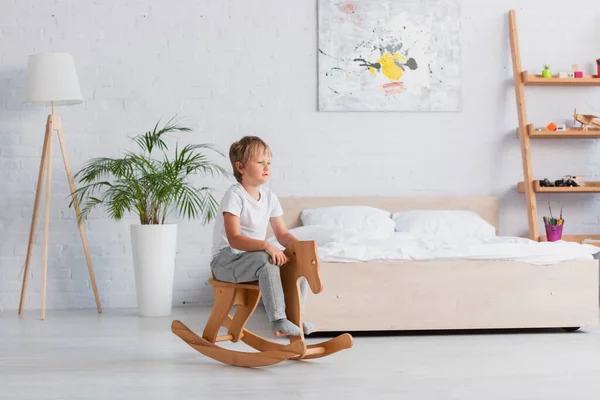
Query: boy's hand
[[277, 256]]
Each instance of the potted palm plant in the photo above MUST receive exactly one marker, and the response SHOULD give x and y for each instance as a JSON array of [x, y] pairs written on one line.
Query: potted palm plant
[[152, 183]]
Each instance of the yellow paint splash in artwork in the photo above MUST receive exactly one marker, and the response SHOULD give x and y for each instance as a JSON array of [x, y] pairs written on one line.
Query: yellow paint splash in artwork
[[372, 71], [389, 67]]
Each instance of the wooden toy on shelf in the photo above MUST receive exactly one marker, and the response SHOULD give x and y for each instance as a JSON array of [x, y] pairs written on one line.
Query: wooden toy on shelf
[[585, 120]]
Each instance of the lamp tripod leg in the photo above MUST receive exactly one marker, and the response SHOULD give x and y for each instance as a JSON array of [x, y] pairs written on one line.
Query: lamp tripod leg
[[46, 219], [38, 192], [63, 148]]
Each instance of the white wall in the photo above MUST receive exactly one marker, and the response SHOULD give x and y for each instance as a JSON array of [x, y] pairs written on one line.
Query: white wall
[[249, 67]]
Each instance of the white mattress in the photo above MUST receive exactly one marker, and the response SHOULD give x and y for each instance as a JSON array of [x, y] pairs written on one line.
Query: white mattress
[[400, 246]]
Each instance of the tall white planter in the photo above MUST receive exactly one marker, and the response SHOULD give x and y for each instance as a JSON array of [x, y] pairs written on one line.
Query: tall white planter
[[154, 248]]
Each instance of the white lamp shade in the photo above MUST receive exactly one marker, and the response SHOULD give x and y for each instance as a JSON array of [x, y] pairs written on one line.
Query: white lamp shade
[[52, 79]]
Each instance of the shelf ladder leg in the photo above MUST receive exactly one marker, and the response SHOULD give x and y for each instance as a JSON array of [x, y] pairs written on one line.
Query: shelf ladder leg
[[524, 136]]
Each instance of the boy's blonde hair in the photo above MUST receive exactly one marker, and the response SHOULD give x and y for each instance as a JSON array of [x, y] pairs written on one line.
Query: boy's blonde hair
[[245, 148]]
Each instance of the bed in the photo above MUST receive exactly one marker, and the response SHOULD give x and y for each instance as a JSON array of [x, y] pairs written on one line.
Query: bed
[[446, 294]]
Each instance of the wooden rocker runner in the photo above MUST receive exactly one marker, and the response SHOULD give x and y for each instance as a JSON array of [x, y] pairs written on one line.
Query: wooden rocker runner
[[302, 260]]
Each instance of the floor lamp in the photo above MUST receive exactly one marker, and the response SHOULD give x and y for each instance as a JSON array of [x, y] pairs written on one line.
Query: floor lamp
[[52, 81]]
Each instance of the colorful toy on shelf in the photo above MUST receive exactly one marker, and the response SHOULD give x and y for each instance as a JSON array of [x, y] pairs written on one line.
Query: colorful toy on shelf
[[551, 126], [577, 73], [546, 72], [585, 120]]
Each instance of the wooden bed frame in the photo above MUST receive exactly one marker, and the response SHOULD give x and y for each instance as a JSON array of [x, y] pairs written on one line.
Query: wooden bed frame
[[457, 294]]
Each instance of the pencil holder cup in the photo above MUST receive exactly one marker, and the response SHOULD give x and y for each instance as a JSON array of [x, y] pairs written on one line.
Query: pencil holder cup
[[554, 232]]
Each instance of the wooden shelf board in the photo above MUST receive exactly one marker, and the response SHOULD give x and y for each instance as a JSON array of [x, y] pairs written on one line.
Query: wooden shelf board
[[537, 80], [589, 187], [577, 238], [570, 133]]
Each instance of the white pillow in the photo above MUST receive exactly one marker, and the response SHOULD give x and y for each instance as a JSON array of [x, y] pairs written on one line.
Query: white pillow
[[443, 223], [361, 219]]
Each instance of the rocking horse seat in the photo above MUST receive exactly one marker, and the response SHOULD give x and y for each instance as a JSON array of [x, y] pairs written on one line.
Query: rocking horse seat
[[246, 285]]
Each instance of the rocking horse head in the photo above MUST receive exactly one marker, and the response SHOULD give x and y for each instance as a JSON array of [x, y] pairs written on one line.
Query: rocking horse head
[[304, 256]]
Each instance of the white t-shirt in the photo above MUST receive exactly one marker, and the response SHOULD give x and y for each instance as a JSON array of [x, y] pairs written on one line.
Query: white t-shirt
[[254, 215]]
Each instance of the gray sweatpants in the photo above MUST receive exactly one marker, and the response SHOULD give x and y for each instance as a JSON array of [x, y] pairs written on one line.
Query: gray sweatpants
[[230, 266]]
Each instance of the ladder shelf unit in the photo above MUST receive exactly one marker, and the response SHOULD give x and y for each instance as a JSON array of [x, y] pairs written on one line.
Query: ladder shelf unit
[[529, 186]]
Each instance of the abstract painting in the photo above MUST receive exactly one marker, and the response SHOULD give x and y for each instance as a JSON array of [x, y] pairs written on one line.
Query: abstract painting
[[389, 55]]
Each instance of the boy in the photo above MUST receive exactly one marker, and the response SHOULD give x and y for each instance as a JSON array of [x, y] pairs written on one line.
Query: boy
[[240, 252]]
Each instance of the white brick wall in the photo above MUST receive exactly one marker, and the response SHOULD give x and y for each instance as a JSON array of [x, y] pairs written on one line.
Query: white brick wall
[[235, 67]]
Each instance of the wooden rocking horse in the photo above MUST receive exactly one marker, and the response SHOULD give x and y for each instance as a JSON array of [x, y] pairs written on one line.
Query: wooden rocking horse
[[301, 261]]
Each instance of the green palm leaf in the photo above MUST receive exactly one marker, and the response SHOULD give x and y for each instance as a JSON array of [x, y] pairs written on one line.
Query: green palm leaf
[[151, 186]]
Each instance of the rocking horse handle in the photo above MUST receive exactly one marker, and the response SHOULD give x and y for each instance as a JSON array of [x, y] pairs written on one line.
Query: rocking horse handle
[[287, 260], [289, 257]]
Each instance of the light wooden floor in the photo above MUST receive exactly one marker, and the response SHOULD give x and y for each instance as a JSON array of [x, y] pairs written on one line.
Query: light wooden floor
[[81, 355]]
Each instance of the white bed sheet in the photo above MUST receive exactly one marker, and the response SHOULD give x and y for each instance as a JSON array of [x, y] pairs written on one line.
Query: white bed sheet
[[401, 246]]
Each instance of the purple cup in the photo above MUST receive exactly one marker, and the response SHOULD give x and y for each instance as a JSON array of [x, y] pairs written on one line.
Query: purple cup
[[553, 232]]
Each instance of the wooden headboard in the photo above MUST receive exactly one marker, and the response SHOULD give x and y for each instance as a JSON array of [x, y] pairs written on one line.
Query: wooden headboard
[[485, 206]]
